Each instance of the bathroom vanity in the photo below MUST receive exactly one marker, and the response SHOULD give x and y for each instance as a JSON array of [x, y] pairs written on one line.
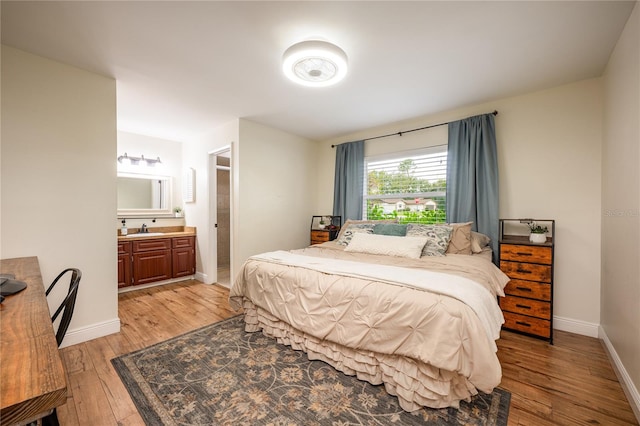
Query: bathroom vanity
[[162, 254]]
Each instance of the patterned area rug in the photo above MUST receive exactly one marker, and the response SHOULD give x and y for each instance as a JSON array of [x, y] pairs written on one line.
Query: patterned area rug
[[221, 375]]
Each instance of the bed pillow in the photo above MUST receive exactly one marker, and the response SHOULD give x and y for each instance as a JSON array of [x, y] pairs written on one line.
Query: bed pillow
[[460, 238], [438, 237], [357, 226], [479, 241], [387, 245], [394, 229]]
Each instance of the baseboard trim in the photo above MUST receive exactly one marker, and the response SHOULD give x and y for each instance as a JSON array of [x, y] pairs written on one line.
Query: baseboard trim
[[576, 326], [84, 334], [629, 388], [202, 277], [154, 284]]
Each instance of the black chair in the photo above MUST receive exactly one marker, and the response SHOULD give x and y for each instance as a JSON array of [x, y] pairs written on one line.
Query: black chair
[[66, 308], [67, 305]]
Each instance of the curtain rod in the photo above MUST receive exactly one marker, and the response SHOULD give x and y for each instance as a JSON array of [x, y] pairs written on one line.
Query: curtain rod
[[409, 131]]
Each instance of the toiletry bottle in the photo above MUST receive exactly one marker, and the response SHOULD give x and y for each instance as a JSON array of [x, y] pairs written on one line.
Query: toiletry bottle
[[123, 231]]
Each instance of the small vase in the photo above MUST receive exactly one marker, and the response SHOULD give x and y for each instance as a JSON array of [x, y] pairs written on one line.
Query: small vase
[[538, 238]]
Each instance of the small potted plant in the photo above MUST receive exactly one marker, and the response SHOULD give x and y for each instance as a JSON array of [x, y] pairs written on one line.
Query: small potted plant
[[538, 233], [322, 223], [178, 211]]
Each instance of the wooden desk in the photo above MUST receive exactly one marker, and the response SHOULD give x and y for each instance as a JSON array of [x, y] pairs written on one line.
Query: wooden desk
[[32, 379]]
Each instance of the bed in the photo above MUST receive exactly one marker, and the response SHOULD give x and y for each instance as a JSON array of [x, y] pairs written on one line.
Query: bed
[[422, 324]]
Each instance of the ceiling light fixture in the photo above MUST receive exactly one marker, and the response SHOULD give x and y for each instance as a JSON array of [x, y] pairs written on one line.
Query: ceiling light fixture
[[315, 63]]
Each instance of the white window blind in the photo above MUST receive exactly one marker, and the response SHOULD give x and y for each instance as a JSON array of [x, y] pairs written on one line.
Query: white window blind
[[409, 186]]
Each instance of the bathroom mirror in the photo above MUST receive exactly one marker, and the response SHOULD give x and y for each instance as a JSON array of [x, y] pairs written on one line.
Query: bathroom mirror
[[143, 194]]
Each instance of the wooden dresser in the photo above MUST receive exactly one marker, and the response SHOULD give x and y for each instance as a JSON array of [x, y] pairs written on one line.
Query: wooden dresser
[[320, 235], [528, 305]]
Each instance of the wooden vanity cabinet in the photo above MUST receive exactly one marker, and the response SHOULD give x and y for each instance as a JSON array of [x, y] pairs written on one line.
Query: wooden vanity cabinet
[[183, 256], [144, 261], [124, 263], [151, 260]]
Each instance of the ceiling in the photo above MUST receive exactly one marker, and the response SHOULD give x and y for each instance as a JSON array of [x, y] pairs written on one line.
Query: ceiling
[[184, 68]]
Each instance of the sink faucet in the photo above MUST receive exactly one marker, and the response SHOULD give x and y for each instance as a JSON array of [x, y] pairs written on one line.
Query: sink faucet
[[144, 229]]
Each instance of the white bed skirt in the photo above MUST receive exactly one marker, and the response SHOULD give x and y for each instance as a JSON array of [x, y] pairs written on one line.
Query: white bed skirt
[[416, 384]]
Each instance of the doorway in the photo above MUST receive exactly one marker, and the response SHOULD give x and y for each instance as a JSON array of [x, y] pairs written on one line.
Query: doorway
[[220, 217]]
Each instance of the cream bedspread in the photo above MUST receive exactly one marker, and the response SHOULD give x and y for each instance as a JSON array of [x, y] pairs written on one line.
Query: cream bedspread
[[430, 349]]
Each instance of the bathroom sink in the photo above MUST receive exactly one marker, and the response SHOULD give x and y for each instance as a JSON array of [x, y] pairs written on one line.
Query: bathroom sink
[[146, 234]]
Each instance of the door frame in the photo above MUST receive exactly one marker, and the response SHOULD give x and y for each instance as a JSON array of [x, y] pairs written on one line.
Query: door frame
[[212, 219]]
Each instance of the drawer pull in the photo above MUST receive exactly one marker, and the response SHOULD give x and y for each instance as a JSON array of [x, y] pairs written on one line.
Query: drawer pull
[[523, 323], [523, 271], [524, 289], [519, 253], [522, 306]]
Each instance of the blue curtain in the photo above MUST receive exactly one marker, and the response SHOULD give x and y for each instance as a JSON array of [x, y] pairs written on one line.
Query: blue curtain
[[472, 175], [348, 183]]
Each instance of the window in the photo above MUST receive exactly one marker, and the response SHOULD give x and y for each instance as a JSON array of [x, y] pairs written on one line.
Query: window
[[409, 186]]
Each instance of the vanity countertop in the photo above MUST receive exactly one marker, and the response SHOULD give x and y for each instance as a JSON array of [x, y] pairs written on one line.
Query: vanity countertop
[[159, 232]]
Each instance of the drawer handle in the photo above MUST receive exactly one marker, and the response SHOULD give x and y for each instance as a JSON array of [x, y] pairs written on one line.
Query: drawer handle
[[522, 306], [519, 253], [523, 271], [523, 323], [524, 289]]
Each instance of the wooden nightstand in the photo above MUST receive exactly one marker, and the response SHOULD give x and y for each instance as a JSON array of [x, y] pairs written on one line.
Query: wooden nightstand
[[528, 305], [321, 235]]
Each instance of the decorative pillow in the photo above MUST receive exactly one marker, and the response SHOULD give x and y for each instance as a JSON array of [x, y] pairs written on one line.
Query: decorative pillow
[[387, 245], [394, 229], [438, 237], [460, 238], [479, 241], [351, 230], [354, 226]]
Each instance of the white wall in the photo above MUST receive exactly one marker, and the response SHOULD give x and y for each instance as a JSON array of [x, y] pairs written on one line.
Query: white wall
[[276, 171], [620, 319], [271, 173], [195, 154], [59, 180], [549, 157]]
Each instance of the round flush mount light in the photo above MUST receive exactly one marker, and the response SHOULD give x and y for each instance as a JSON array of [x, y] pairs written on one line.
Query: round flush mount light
[[315, 63]]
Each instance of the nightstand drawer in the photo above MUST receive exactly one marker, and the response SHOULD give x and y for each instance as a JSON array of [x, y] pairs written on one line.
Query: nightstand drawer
[[530, 289], [522, 323], [318, 237], [522, 253], [526, 271], [529, 307]]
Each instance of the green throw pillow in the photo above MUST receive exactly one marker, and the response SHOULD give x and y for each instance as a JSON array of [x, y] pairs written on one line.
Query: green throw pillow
[[395, 229]]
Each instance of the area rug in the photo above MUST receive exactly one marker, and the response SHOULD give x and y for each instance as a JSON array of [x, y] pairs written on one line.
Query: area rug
[[221, 375]]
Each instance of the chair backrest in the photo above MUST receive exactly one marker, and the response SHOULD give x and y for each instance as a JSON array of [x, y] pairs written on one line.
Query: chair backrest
[[67, 305]]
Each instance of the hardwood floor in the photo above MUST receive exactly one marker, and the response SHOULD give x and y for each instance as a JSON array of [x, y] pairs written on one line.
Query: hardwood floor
[[569, 383]]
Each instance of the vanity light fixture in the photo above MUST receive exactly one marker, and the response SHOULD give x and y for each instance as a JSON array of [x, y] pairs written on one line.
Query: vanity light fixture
[[315, 63], [135, 161]]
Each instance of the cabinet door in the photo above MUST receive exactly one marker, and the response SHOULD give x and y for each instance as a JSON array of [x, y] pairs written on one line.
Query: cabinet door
[[124, 270], [151, 266], [183, 262], [124, 264]]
